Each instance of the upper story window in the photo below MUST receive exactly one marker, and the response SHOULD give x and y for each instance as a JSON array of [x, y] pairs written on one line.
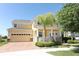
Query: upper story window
[[15, 25], [39, 23]]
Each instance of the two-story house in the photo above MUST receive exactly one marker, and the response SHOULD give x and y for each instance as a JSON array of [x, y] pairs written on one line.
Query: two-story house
[[28, 30]]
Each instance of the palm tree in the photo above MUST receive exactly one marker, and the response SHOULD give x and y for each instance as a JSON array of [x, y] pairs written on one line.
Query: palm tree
[[46, 20]]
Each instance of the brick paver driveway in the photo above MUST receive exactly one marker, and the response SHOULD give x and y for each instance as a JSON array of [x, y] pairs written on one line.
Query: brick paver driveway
[[17, 46]]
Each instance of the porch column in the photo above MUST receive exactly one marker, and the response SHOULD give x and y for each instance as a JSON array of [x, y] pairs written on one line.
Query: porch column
[[37, 35], [54, 36], [43, 35], [51, 32], [37, 32]]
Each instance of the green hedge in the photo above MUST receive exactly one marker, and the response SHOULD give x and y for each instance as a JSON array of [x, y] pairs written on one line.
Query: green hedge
[[73, 41], [75, 45], [58, 43], [2, 40], [47, 44], [44, 44]]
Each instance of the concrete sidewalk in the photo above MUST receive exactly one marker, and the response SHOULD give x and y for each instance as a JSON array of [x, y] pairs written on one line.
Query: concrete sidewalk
[[31, 54]]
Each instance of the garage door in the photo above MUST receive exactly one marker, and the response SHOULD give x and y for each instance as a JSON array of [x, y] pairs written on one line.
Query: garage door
[[21, 37]]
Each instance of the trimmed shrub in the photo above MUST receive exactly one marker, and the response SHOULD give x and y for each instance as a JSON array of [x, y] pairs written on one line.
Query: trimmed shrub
[[73, 41], [44, 44], [76, 41], [2, 40], [64, 46], [70, 41], [40, 44], [75, 45], [58, 43], [48, 44]]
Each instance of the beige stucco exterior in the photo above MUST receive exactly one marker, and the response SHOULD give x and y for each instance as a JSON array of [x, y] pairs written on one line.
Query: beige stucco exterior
[[27, 30]]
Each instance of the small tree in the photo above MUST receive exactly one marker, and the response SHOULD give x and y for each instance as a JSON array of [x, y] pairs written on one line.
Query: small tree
[[4, 37], [46, 20], [0, 37]]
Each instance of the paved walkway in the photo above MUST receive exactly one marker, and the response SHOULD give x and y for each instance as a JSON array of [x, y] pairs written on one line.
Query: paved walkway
[[17, 46], [31, 54]]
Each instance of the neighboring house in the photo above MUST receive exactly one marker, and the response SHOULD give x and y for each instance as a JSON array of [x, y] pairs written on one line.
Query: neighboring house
[[69, 34], [28, 30]]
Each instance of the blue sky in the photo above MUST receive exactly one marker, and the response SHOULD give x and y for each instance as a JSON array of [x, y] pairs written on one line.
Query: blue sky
[[9, 12]]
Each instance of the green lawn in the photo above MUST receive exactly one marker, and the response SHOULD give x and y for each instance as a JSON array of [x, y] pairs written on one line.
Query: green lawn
[[2, 43], [64, 53]]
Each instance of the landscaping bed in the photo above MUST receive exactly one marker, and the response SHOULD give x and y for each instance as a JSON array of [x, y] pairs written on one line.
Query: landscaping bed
[[47, 44], [56, 44]]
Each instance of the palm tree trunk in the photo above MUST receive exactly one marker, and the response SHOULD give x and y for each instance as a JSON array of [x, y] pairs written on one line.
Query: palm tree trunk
[[45, 33]]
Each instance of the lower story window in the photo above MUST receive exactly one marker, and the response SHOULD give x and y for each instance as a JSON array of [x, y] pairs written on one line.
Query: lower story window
[[56, 33], [40, 34]]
